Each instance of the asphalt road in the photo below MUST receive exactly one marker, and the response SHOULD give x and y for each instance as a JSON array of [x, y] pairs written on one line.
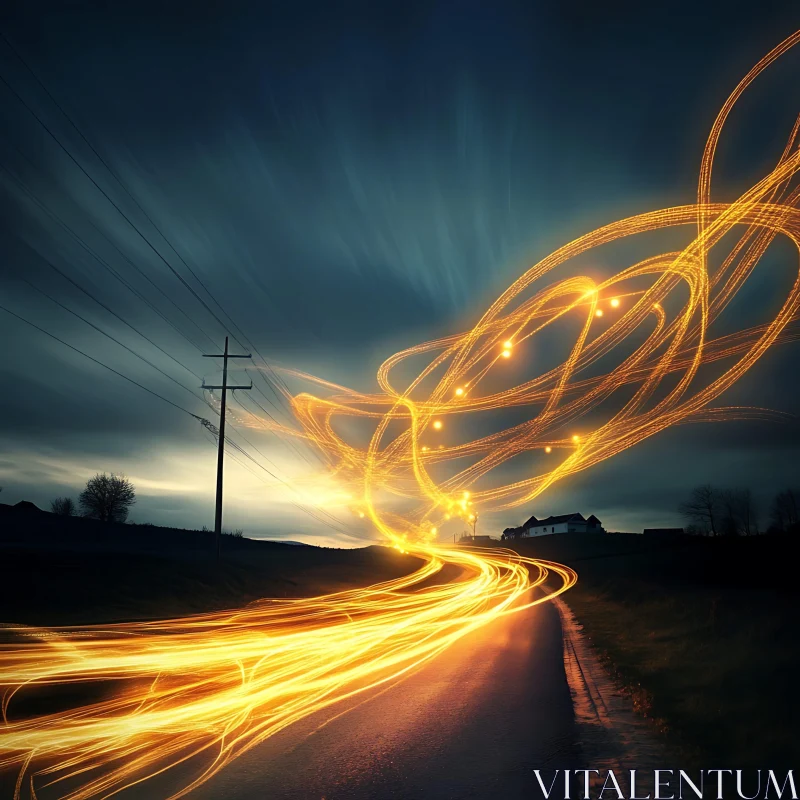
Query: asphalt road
[[473, 723]]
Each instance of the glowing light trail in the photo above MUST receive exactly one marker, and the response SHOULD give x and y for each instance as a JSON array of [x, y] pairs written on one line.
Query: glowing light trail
[[672, 300], [200, 691], [206, 688]]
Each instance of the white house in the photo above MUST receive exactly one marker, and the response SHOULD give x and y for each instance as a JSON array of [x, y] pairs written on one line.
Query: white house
[[565, 523]]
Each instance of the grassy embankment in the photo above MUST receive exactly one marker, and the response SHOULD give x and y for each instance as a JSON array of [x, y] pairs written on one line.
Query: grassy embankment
[[701, 632], [73, 571]]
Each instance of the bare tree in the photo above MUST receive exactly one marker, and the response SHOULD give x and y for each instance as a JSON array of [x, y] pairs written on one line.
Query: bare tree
[[737, 512], [108, 498], [784, 510], [63, 506], [747, 512], [696, 530], [728, 512], [702, 508]]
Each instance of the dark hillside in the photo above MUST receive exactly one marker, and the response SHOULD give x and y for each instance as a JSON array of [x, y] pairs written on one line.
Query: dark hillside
[[62, 570], [701, 631]]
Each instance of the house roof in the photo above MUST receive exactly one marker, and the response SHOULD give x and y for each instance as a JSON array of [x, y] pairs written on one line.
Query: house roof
[[532, 521], [561, 518], [593, 518]]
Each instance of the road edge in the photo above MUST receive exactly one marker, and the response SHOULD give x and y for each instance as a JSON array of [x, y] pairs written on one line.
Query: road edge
[[611, 734]]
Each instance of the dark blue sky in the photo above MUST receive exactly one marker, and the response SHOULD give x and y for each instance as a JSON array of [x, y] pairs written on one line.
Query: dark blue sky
[[349, 179]]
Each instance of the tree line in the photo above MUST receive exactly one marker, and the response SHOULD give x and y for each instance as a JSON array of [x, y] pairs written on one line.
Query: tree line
[[715, 511], [106, 497]]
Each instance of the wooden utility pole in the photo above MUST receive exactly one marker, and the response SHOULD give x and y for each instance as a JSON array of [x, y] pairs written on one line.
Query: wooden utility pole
[[221, 450], [474, 523]]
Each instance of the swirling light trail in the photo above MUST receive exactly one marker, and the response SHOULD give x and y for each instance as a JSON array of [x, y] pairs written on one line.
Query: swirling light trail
[[201, 690]]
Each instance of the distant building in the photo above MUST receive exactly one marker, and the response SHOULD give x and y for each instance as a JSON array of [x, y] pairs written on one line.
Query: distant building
[[522, 530], [480, 539], [665, 532], [564, 523]]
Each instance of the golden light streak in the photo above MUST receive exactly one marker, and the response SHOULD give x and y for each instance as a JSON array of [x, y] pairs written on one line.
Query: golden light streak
[[674, 300], [205, 689], [202, 690]]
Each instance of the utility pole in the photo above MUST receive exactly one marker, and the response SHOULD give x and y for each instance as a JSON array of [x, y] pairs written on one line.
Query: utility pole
[[221, 450], [474, 523]]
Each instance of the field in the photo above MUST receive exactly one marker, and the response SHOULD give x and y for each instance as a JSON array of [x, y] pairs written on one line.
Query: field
[[701, 632], [60, 571]]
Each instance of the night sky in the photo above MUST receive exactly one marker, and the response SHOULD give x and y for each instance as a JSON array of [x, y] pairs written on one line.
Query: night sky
[[348, 180]]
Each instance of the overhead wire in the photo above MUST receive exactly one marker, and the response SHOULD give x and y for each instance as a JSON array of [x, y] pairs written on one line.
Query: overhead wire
[[241, 337], [89, 294], [282, 396], [206, 424], [100, 363], [104, 262], [113, 339]]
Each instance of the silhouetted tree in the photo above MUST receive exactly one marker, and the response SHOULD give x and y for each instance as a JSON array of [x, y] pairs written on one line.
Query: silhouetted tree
[[63, 506], [696, 530], [108, 498], [784, 510], [747, 512], [702, 508], [728, 517]]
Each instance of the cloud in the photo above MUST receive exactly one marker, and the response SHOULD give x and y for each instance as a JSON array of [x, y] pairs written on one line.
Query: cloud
[[343, 186]]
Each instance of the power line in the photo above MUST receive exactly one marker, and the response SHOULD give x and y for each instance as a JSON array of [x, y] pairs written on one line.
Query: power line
[[122, 184], [116, 316], [285, 483], [206, 424], [87, 292], [100, 363], [82, 242], [275, 378], [287, 442], [334, 525], [113, 339], [284, 389], [108, 197], [145, 360]]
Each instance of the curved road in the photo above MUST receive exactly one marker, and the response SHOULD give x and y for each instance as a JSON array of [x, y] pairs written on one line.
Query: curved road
[[473, 723]]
